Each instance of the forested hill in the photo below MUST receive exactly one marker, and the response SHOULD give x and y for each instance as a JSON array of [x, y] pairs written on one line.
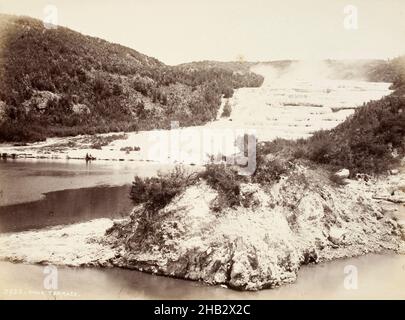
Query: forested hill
[[56, 82]]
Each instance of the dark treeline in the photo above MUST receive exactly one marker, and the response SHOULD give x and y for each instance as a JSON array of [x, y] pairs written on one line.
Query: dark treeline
[[393, 71], [57, 82]]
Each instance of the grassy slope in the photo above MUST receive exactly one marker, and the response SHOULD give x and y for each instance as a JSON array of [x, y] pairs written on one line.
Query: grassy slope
[[60, 82]]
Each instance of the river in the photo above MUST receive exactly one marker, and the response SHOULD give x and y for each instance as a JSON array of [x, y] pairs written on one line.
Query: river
[[41, 193], [379, 277]]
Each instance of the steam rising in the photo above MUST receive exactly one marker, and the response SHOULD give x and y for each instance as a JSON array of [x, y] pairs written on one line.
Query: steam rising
[[312, 70]]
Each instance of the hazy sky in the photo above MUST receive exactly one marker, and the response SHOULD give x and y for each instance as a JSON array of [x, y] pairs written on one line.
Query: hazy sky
[[177, 31]]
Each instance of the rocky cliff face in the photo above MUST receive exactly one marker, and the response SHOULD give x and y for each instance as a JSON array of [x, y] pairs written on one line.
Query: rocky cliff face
[[297, 221]]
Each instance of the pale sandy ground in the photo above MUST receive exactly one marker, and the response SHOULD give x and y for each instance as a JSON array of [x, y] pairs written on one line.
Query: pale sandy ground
[[61, 245]]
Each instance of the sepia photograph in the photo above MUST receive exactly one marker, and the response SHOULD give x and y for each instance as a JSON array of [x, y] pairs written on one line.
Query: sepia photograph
[[202, 150]]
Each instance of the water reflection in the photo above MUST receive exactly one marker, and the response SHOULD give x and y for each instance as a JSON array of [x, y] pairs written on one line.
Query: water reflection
[[379, 277], [65, 207]]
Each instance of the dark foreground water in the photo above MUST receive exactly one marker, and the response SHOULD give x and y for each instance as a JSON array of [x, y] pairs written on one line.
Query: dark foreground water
[[37, 194], [65, 207]]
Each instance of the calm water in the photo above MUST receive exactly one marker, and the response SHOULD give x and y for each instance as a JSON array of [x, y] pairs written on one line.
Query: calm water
[[26, 180], [379, 277], [67, 206], [35, 194]]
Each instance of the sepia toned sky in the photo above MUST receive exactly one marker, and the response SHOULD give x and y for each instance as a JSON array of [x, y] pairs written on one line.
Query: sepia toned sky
[[177, 31]]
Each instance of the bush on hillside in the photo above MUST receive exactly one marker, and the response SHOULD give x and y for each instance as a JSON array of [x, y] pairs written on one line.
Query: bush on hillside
[[108, 78], [156, 192], [226, 181], [226, 112], [365, 143]]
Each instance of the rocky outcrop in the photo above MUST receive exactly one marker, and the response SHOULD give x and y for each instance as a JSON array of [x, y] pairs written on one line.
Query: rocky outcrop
[[261, 244], [342, 174], [393, 190], [40, 100], [297, 221], [336, 235], [80, 108]]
